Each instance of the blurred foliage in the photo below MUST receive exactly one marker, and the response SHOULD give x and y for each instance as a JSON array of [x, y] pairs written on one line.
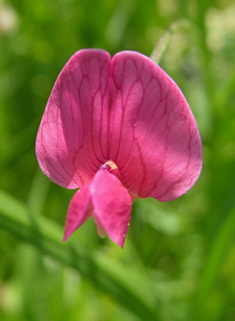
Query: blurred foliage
[[182, 251]]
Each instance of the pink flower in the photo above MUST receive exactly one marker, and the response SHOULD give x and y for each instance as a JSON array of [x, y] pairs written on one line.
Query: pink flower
[[118, 129]]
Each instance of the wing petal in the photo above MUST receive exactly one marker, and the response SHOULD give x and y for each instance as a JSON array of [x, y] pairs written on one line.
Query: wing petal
[[80, 209], [112, 205]]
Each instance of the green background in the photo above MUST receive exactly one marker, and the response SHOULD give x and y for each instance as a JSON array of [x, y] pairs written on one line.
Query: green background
[[178, 262]]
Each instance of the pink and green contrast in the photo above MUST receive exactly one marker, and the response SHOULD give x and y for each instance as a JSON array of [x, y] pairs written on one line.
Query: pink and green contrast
[[117, 128]]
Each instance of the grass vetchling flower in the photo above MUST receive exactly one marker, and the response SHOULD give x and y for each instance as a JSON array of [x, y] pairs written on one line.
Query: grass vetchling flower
[[118, 129]]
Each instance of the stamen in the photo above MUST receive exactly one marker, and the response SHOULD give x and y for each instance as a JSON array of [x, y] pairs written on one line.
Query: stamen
[[111, 167]]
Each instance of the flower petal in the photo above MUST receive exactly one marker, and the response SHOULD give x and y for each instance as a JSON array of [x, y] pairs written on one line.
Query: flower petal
[[75, 121], [100, 230], [112, 205], [154, 139], [80, 209]]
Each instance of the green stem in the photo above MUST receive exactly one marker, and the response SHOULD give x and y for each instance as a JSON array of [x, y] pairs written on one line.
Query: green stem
[[162, 45], [218, 253], [131, 289]]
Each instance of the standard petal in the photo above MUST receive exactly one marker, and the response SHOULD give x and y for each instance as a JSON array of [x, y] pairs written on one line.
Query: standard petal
[[72, 138], [112, 205], [80, 209], [154, 139]]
